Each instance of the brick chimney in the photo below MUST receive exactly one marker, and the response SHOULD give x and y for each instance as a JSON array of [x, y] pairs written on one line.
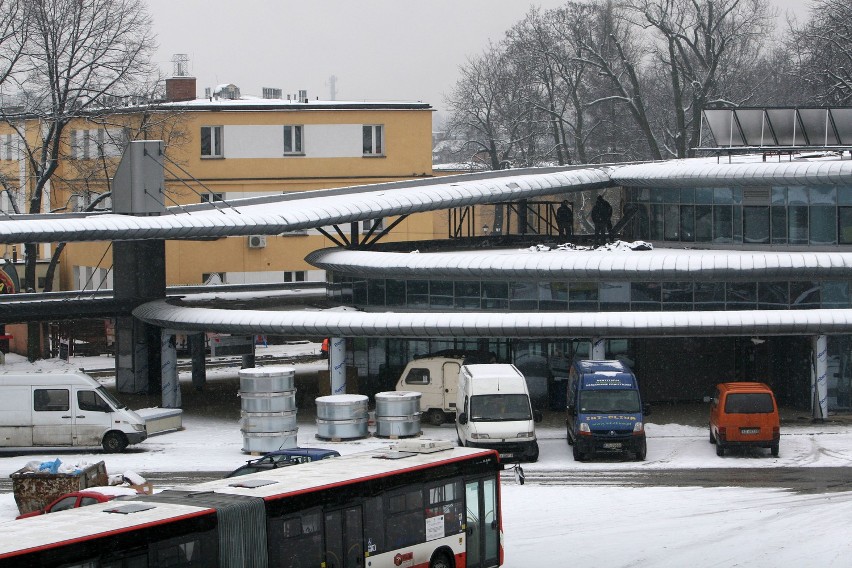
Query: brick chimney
[[180, 89]]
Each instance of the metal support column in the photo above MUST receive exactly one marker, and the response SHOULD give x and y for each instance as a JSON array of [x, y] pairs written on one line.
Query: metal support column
[[819, 376], [337, 365], [598, 348], [199, 363], [170, 385]]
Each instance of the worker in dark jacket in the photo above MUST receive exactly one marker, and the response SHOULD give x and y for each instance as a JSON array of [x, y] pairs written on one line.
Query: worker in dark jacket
[[602, 220], [565, 220]]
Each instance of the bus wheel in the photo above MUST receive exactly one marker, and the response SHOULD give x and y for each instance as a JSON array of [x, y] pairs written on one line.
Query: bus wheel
[[440, 560], [114, 442], [435, 417]]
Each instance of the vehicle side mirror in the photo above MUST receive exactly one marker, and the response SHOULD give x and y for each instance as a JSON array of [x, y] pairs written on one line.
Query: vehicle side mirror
[[646, 409], [571, 409], [463, 418], [537, 417]]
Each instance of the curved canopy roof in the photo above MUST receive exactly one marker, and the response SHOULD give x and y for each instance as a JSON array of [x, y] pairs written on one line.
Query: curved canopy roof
[[590, 265], [332, 323], [305, 210], [701, 173]]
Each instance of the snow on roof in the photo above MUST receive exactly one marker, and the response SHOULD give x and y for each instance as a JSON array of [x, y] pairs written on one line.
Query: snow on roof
[[746, 170], [589, 264]]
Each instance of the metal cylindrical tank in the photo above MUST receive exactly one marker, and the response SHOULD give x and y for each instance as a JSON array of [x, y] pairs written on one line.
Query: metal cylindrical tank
[[397, 403], [342, 429], [342, 416], [342, 407], [267, 379], [394, 426], [268, 422], [268, 403], [397, 413]]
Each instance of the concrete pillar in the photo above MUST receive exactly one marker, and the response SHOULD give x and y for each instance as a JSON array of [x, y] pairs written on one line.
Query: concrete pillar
[[170, 385], [139, 269], [199, 363], [819, 376], [598, 348], [337, 364]]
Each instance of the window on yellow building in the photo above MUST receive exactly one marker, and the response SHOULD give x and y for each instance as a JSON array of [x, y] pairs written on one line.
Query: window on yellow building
[[211, 142], [293, 139], [373, 139]]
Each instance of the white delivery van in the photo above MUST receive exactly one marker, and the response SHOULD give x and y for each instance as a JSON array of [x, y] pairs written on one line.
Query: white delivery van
[[495, 411], [64, 409], [437, 379]]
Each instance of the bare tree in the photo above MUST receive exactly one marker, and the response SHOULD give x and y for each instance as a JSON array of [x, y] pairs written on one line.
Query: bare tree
[[76, 56], [609, 44], [490, 109], [702, 47], [824, 48], [13, 36]]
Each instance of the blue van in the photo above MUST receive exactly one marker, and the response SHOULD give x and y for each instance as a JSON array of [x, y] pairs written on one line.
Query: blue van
[[605, 410]]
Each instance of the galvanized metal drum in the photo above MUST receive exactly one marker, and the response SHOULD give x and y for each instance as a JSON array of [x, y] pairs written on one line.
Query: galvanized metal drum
[[265, 442], [342, 429], [397, 403], [268, 401], [397, 426], [268, 422], [342, 407], [267, 379]]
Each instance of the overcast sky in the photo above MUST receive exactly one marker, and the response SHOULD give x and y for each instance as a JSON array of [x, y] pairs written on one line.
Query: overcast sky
[[391, 50]]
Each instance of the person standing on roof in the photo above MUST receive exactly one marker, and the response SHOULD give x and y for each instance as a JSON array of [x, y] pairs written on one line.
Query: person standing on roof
[[564, 220], [602, 219]]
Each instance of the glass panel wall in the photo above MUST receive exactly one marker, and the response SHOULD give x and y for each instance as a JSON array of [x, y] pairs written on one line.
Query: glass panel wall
[[796, 215], [560, 296]]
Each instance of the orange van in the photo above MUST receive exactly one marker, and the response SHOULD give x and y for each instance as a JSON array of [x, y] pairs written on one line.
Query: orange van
[[744, 414]]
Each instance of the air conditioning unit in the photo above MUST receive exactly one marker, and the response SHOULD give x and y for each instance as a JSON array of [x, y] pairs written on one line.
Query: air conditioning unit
[[256, 241]]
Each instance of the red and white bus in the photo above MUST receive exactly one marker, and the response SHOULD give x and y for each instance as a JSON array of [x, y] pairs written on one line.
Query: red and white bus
[[421, 504]]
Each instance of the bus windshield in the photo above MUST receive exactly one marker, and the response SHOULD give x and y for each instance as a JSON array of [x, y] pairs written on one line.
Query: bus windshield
[[500, 407], [609, 401]]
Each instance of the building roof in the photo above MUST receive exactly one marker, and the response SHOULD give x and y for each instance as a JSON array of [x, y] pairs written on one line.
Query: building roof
[[590, 265], [506, 324]]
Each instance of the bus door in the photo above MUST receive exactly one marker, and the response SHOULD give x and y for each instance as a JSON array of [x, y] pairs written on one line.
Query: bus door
[[483, 526], [344, 538]]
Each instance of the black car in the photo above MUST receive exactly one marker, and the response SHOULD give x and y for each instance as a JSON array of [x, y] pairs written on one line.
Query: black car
[[283, 458]]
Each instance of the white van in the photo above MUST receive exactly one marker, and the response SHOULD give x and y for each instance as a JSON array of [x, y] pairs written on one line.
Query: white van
[[495, 411], [64, 409], [437, 379]]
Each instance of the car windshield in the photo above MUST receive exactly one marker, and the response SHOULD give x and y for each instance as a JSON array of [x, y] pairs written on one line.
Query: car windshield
[[749, 403], [500, 407], [609, 401], [109, 398]]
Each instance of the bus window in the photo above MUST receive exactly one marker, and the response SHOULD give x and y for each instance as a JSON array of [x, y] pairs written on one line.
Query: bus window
[[444, 510], [405, 521], [374, 525], [301, 539]]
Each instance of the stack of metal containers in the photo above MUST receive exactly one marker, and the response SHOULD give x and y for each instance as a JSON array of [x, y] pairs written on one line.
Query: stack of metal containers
[[268, 405]]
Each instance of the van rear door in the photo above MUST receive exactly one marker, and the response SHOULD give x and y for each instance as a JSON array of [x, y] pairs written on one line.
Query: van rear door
[[450, 371], [16, 408], [52, 416]]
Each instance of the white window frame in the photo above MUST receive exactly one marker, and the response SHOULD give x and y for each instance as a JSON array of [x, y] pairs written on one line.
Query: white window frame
[[217, 142], [211, 197], [294, 139], [373, 139]]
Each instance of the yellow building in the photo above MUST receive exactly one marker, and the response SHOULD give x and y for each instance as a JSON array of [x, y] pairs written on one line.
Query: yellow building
[[225, 147]]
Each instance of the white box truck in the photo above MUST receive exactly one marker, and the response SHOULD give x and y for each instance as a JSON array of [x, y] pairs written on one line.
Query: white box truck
[[64, 409], [437, 379], [495, 411]]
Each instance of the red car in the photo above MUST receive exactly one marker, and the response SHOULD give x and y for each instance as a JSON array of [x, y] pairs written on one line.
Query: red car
[[81, 499]]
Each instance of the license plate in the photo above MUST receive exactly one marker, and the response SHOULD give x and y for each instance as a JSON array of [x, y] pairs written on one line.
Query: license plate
[[749, 430], [612, 446], [506, 456]]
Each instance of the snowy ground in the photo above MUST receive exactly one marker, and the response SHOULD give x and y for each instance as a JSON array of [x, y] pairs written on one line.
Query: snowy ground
[[578, 525]]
